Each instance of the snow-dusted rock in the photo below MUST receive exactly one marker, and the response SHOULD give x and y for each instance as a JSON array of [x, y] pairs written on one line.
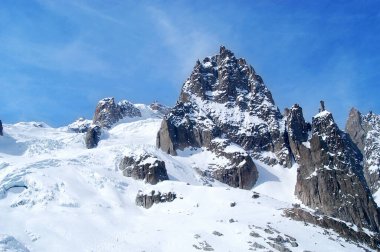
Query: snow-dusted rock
[[298, 131], [107, 112], [240, 172], [147, 200], [365, 132], [330, 177], [80, 126], [144, 166], [345, 229], [224, 97]]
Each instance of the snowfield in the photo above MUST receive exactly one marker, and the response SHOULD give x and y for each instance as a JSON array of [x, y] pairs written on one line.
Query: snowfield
[[56, 195]]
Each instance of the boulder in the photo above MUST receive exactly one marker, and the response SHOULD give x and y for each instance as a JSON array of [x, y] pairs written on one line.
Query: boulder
[[241, 172], [144, 167], [147, 200], [93, 136]]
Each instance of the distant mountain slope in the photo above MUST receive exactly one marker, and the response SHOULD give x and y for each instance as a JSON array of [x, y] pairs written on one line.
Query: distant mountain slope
[[57, 195]]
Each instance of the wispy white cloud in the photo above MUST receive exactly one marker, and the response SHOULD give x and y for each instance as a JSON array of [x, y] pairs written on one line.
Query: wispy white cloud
[[66, 8], [187, 42], [75, 56]]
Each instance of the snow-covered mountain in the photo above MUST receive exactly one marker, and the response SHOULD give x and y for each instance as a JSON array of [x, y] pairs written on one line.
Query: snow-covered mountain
[[223, 170]]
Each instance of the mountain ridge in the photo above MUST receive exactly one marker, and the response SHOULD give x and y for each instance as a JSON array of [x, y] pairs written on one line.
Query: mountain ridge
[[188, 164]]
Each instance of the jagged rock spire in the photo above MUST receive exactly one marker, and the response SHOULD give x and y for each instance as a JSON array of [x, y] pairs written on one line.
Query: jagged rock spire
[[355, 128], [225, 98], [330, 177], [322, 106], [298, 131], [1, 128]]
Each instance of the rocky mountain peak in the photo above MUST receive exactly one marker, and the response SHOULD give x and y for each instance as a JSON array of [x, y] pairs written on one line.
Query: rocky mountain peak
[[224, 78], [107, 112], [224, 52], [330, 177], [224, 98]]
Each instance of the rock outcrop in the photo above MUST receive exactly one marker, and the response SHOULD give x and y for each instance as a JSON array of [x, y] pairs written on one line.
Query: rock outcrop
[[330, 176], [359, 236], [147, 200], [144, 167], [80, 126], [298, 132], [241, 172], [356, 128], [365, 133], [107, 112], [225, 98], [93, 136], [1, 128]]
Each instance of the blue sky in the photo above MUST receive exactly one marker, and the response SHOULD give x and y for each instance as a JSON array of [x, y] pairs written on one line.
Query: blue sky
[[58, 58]]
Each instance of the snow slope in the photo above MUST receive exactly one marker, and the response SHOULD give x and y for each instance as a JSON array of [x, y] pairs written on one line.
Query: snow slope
[[56, 195]]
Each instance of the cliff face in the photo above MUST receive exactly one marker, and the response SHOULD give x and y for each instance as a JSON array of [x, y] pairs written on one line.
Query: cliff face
[[330, 178], [364, 130]]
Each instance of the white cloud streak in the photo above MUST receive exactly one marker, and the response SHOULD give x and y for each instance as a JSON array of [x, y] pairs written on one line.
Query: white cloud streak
[[187, 42]]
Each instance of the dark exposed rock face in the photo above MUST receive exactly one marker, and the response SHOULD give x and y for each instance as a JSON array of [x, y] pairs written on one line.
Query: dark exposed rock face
[[355, 128], [336, 225], [225, 98], [93, 136], [298, 132], [107, 112], [147, 200], [365, 133], [144, 167], [241, 171], [330, 177], [1, 128]]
